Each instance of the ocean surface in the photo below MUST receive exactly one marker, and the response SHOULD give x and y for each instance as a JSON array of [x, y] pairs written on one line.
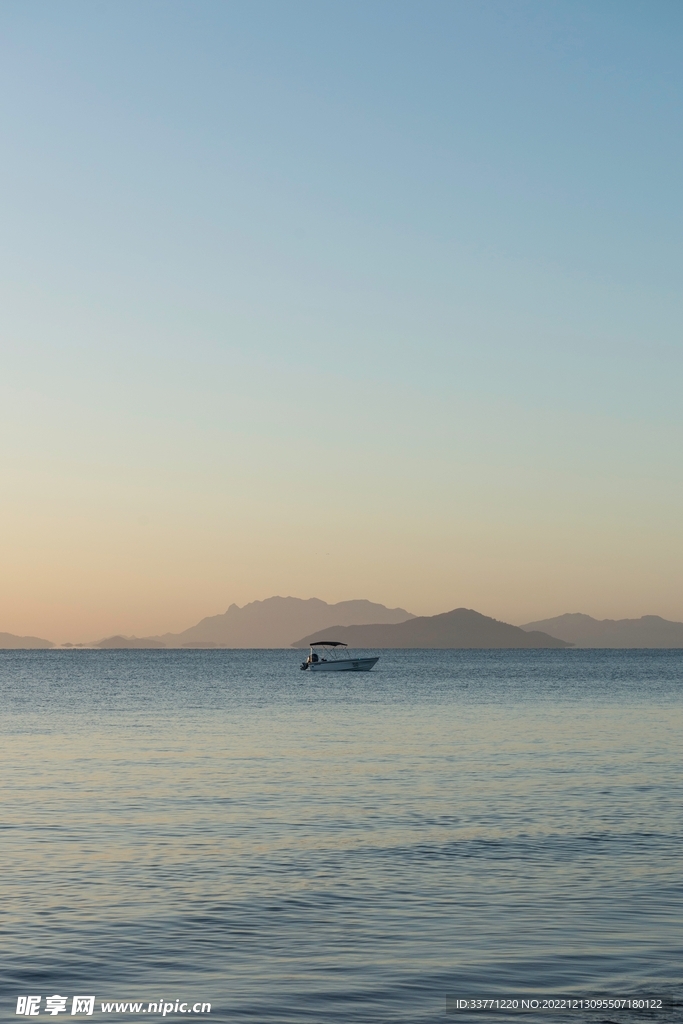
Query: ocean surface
[[220, 827]]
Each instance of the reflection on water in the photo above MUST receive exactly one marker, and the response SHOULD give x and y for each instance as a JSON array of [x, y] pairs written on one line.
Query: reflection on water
[[217, 825]]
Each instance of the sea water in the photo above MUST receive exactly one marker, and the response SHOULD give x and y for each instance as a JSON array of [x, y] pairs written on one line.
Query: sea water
[[218, 827]]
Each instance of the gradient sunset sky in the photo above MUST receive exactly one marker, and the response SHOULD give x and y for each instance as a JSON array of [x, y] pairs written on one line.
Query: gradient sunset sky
[[343, 300]]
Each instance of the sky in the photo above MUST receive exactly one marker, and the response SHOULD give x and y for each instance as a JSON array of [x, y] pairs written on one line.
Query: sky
[[343, 300]]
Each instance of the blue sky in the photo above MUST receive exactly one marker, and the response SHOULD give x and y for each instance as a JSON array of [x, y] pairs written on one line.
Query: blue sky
[[434, 246]]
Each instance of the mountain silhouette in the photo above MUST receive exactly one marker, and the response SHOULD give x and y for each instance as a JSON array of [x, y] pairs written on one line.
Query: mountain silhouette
[[585, 631], [272, 623], [461, 628], [8, 641], [116, 642]]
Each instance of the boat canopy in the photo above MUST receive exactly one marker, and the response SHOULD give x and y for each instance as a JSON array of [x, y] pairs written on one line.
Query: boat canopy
[[328, 643]]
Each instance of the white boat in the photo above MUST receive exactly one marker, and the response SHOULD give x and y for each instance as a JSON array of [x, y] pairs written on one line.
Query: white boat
[[331, 658]]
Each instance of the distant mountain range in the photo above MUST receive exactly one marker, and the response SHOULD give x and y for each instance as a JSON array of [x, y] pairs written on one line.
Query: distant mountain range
[[8, 641], [262, 624], [584, 631], [461, 628], [122, 643], [276, 621]]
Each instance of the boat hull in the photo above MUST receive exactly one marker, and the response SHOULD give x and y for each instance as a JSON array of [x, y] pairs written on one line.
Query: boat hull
[[344, 665]]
